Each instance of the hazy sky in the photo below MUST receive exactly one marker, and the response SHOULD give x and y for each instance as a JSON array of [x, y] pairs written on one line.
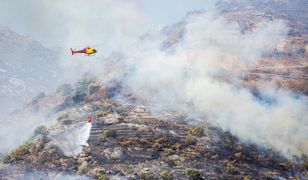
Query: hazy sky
[[78, 22], [170, 11]]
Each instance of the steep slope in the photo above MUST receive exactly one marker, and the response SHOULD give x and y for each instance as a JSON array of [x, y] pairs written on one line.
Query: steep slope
[[129, 138], [130, 141], [26, 68], [286, 66]]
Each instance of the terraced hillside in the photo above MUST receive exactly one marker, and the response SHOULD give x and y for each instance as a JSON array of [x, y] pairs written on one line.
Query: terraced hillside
[[133, 137], [286, 66], [127, 140]]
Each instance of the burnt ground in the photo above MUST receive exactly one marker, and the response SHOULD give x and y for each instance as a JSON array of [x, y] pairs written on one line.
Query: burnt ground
[[128, 140]]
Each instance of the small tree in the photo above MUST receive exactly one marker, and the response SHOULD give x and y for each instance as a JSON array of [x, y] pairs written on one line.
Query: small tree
[[40, 130]]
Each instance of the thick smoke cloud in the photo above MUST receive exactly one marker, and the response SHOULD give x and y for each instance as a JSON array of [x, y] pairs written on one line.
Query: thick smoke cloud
[[202, 75], [79, 22]]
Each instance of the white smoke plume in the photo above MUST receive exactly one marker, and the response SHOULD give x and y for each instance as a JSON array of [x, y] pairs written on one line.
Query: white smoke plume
[[192, 78]]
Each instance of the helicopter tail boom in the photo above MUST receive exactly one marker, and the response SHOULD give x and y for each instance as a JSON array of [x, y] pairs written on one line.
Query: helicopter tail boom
[[73, 52]]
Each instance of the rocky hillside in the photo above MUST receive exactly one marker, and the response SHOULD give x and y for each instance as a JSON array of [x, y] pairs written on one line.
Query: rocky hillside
[[287, 65], [26, 68], [127, 140], [295, 12]]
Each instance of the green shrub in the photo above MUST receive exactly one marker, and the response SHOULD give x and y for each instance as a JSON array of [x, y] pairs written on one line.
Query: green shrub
[[101, 176], [101, 114], [56, 149], [101, 137], [129, 169], [190, 140], [160, 143], [170, 161], [305, 161], [62, 116], [87, 78], [193, 174], [197, 131], [305, 69], [146, 176], [79, 97], [82, 168], [121, 119], [270, 175], [66, 89], [181, 117], [110, 133], [19, 152], [231, 169], [82, 88], [166, 175], [174, 160]]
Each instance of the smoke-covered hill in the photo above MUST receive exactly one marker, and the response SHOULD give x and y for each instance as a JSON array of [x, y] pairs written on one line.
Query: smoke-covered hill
[[219, 95], [286, 65], [128, 140], [26, 68], [295, 12]]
